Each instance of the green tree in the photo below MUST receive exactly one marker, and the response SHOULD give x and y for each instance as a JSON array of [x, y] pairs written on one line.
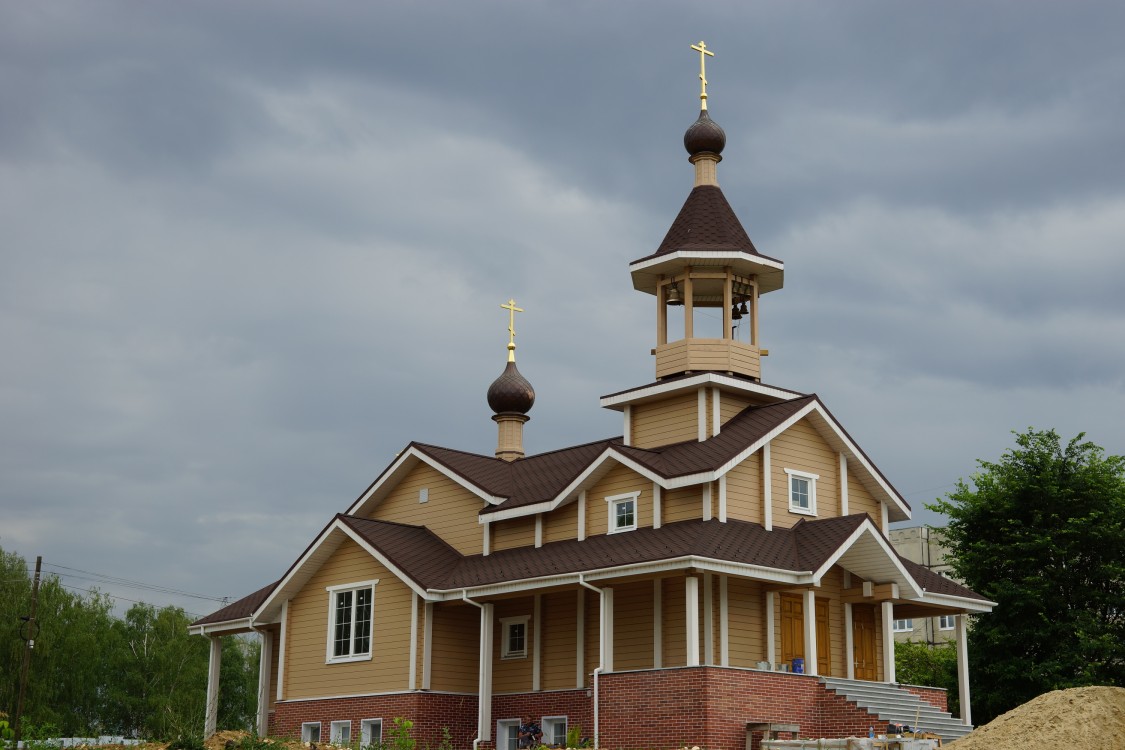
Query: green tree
[[922, 664], [1041, 532]]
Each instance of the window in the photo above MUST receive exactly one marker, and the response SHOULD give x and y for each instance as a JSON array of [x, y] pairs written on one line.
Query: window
[[507, 734], [802, 492], [947, 622], [622, 512], [371, 732], [349, 621], [904, 626], [341, 733], [554, 730], [513, 631], [310, 731]]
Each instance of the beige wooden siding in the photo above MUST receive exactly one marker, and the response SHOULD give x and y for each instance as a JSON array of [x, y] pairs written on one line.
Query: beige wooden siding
[[730, 406], [275, 655], [801, 448], [512, 675], [859, 499], [744, 490], [420, 652], [455, 656], [673, 630], [672, 420], [560, 641], [514, 532], [831, 587], [593, 624], [684, 504], [619, 480], [450, 512], [307, 674], [746, 635], [632, 626], [561, 523]]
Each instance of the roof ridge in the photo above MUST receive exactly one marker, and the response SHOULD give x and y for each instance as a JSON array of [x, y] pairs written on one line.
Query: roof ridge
[[381, 521], [609, 440], [418, 444]]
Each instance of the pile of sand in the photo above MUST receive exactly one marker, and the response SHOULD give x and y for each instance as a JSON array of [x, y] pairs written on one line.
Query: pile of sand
[[1090, 718]]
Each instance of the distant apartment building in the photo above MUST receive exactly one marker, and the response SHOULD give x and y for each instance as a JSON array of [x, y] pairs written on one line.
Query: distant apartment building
[[925, 546]]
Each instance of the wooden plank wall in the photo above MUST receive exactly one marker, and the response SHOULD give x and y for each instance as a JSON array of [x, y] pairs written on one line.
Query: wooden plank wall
[[618, 481], [561, 523], [450, 512], [665, 422], [744, 493], [801, 448], [746, 602], [632, 626], [514, 532], [455, 655], [512, 675], [560, 643], [682, 504], [859, 499]]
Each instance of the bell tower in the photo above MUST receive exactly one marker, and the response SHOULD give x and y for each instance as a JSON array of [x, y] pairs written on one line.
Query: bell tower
[[707, 275]]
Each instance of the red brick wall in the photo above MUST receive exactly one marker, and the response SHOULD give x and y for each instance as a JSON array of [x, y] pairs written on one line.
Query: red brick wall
[[936, 697]]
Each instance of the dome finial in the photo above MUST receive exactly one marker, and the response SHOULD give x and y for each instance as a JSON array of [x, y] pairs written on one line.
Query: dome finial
[[704, 53], [512, 310]]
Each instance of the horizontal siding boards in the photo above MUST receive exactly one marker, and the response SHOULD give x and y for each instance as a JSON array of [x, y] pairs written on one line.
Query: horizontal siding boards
[[684, 504], [730, 406], [560, 640], [455, 655], [831, 588], [672, 420], [744, 490], [561, 523], [593, 624], [619, 480], [859, 499], [632, 626], [673, 629], [450, 510], [801, 448], [307, 674], [514, 532], [512, 675], [745, 604]]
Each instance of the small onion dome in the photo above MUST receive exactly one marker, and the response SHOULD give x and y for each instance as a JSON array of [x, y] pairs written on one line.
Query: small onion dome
[[704, 135], [511, 392]]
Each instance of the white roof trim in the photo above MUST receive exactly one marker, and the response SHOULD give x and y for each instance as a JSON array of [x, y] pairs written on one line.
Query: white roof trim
[[867, 527], [760, 260], [959, 602], [693, 382], [413, 454], [223, 626]]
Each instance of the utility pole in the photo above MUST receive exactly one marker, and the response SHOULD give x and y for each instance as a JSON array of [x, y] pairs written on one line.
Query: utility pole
[[29, 631]]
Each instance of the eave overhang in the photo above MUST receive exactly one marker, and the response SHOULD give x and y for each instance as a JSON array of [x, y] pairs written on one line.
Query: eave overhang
[[647, 272], [663, 389]]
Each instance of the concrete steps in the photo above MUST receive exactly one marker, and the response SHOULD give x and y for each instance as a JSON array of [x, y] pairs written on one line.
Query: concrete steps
[[897, 704]]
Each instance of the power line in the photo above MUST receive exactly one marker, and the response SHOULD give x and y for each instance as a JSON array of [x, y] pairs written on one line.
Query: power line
[[130, 583]]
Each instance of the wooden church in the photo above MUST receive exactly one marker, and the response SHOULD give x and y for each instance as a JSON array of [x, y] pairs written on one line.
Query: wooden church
[[719, 571]]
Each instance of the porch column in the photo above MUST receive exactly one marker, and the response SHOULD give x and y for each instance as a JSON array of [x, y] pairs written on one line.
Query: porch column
[[265, 665], [484, 688], [809, 622], [708, 620], [849, 641], [771, 642], [888, 641], [607, 629], [691, 615], [963, 668], [211, 713]]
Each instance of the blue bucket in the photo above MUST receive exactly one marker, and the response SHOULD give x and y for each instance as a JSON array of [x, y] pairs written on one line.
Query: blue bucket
[[798, 665]]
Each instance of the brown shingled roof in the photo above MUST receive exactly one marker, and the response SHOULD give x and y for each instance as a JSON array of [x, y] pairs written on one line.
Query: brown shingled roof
[[419, 553], [938, 584], [240, 609]]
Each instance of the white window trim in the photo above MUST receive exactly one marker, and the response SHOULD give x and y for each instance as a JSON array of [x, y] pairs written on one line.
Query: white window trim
[[500, 725], [505, 623], [952, 619], [811, 510], [332, 591], [336, 739], [550, 740], [308, 725], [365, 731], [611, 509], [906, 629]]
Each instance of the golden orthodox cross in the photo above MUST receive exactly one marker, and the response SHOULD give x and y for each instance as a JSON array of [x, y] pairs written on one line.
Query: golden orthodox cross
[[704, 53], [512, 310]]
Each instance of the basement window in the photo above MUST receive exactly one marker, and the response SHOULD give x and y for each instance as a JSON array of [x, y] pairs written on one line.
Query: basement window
[[513, 631], [554, 731], [622, 512], [349, 621], [310, 732], [371, 732], [341, 733], [802, 492]]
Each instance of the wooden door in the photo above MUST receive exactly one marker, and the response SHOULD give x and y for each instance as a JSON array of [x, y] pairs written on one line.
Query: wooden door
[[823, 639], [792, 628], [863, 640]]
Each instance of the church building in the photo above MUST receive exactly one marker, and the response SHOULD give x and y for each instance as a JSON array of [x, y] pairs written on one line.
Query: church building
[[720, 570]]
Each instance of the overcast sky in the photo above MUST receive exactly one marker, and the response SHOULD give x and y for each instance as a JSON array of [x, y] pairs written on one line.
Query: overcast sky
[[248, 251]]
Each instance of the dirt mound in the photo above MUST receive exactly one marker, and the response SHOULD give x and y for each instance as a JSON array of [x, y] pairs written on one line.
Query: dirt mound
[[1091, 718]]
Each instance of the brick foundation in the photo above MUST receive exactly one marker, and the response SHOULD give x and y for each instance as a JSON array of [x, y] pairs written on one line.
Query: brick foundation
[[936, 697]]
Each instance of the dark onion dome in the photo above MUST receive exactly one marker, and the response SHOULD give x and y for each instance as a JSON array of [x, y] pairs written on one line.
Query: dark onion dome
[[511, 392], [704, 135]]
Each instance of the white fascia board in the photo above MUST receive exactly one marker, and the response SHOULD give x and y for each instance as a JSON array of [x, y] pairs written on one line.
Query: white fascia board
[[867, 527], [693, 382], [523, 510], [757, 444], [391, 477], [383, 560], [219, 628], [957, 602], [757, 260]]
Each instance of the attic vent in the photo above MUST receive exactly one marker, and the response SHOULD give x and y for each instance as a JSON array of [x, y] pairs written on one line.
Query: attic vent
[[424, 495]]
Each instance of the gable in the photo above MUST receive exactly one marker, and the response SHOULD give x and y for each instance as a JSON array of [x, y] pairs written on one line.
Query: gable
[[618, 480], [802, 448], [449, 510]]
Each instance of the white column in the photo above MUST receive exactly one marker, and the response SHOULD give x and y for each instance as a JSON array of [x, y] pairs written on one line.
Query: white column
[[580, 656], [281, 650], [849, 641], [723, 498], [888, 642], [486, 541], [963, 669], [810, 631], [607, 629], [413, 678], [843, 485], [767, 489], [884, 518], [211, 714], [771, 639], [484, 688], [538, 529], [265, 667], [628, 439], [724, 623], [657, 510], [691, 615], [536, 632], [658, 623], [701, 413], [427, 645], [707, 501], [581, 515], [708, 620], [715, 417]]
